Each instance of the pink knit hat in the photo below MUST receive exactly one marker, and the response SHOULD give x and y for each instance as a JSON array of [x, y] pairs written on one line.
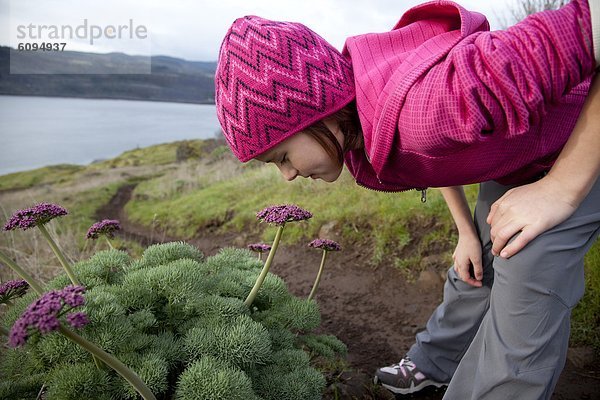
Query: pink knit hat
[[274, 79]]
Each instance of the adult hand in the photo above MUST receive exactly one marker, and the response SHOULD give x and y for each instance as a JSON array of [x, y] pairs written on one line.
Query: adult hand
[[467, 253], [527, 211]]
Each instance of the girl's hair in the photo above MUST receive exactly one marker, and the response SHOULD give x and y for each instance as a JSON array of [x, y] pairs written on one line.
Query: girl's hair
[[349, 124]]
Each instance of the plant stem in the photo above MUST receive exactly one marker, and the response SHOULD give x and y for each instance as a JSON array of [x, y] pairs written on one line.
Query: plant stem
[[111, 361], [59, 254], [318, 279], [39, 396], [109, 243], [265, 270], [4, 331], [21, 272]]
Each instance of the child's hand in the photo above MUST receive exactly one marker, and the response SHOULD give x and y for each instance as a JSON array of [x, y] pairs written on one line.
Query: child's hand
[[467, 254]]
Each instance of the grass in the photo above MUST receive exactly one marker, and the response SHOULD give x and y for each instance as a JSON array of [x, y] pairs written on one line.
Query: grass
[[157, 155], [40, 176], [160, 154], [82, 193], [29, 248], [231, 204], [585, 322]]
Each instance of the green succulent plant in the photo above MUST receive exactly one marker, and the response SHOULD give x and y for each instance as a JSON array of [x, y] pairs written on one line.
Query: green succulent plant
[[180, 322]]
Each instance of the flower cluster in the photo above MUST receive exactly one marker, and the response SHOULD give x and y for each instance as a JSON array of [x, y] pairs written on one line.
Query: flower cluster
[[279, 215], [44, 313], [12, 289], [106, 227], [37, 215], [259, 247], [325, 244]]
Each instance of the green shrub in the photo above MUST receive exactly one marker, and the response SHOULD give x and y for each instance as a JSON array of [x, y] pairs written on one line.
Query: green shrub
[[327, 346], [211, 379], [179, 321], [25, 388], [78, 381]]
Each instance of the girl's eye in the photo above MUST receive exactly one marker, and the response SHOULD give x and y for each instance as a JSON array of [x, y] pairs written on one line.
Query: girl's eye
[[284, 159]]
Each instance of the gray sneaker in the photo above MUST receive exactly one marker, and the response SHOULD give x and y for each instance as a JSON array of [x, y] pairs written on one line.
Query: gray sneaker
[[403, 378]]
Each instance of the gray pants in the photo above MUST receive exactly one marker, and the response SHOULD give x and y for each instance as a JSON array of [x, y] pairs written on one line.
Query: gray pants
[[508, 339]]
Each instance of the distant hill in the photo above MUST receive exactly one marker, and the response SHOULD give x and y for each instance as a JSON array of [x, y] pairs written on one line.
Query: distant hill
[[171, 79]]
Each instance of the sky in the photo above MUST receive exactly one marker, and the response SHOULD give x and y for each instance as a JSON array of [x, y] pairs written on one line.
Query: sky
[[193, 30]]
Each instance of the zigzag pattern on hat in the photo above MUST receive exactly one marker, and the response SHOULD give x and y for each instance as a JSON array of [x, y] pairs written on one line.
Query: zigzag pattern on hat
[[274, 79]]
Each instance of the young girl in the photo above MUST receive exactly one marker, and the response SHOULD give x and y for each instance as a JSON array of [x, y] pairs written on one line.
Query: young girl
[[440, 101]]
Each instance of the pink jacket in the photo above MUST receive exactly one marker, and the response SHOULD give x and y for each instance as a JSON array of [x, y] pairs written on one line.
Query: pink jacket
[[443, 101]]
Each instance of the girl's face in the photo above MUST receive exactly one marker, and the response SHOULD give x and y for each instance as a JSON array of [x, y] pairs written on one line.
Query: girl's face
[[301, 155]]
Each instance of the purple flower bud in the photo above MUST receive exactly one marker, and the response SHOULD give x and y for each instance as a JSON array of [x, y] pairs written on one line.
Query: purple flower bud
[[42, 315], [47, 323], [18, 334], [73, 295], [106, 227], [325, 244], [37, 215], [279, 215], [12, 289], [259, 247], [78, 320]]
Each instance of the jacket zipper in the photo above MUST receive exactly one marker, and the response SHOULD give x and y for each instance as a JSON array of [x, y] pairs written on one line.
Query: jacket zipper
[[422, 190]]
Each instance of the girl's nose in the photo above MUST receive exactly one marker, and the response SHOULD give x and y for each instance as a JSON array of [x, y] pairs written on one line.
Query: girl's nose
[[289, 173]]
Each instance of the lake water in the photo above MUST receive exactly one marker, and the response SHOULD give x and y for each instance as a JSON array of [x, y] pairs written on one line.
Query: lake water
[[41, 131]]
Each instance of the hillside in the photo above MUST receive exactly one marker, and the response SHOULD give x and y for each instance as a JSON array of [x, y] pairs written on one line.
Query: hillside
[[375, 294], [171, 79]]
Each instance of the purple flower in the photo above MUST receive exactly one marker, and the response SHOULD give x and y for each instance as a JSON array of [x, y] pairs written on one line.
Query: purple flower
[[325, 244], [259, 247], [78, 319], [12, 289], [18, 334], [106, 227], [43, 314], [47, 323], [50, 302], [73, 295], [281, 214], [37, 215]]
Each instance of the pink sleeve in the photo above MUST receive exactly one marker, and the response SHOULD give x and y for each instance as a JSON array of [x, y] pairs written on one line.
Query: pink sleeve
[[498, 82]]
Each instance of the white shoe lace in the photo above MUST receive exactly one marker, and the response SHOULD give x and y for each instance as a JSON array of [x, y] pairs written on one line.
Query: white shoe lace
[[406, 363]]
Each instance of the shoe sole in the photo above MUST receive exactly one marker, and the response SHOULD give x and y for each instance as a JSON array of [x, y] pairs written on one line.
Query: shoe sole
[[411, 389]]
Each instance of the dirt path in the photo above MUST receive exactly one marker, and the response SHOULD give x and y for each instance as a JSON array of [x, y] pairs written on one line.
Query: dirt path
[[373, 310]]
